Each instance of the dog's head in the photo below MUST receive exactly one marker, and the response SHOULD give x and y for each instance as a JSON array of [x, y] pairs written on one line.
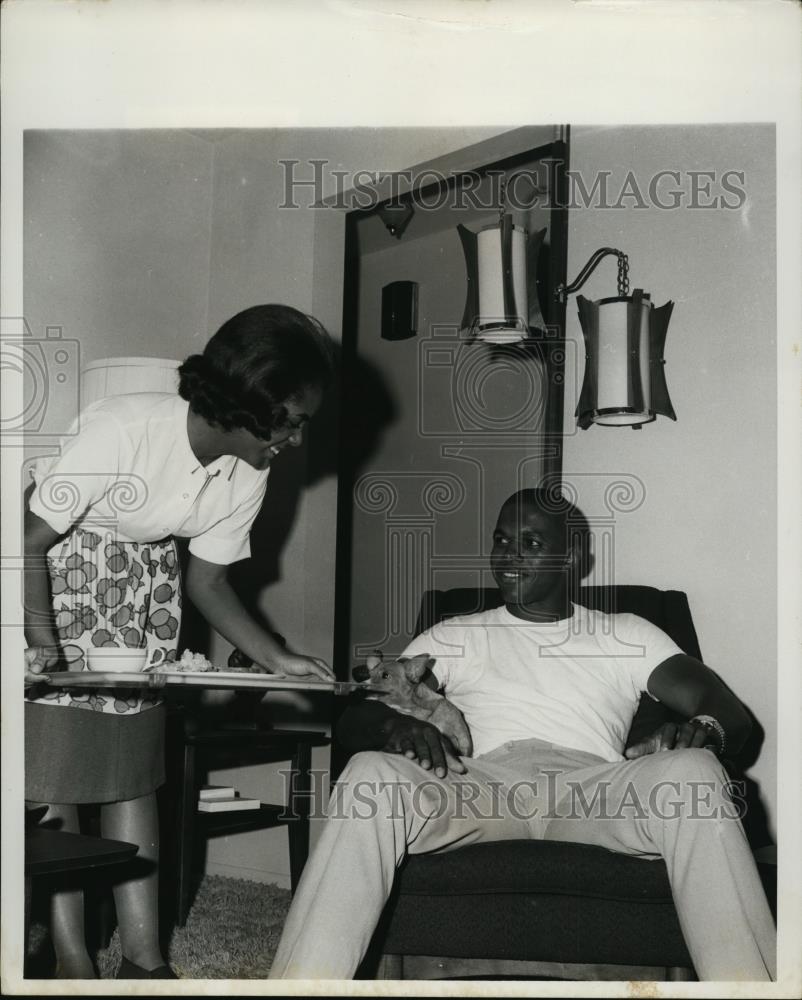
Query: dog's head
[[397, 678]]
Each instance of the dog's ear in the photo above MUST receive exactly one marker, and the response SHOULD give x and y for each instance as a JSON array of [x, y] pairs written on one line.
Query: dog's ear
[[417, 666]]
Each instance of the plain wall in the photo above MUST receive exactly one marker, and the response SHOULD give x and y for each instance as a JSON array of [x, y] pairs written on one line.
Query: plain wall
[[116, 249], [704, 488], [117, 237]]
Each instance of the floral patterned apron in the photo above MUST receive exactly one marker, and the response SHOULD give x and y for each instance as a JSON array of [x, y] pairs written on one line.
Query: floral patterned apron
[[111, 593]]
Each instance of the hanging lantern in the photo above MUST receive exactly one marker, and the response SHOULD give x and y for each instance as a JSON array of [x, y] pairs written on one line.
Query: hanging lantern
[[625, 336], [501, 305], [625, 382]]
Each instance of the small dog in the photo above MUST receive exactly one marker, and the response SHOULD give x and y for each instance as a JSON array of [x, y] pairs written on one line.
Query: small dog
[[398, 684]]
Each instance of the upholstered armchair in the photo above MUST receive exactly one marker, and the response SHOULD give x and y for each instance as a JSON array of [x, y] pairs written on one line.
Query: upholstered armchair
[[540, 901]]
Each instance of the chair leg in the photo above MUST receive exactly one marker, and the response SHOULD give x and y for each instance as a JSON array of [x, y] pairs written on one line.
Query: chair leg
[[679, 974], [187, 806], [299, 808], [390, 967]]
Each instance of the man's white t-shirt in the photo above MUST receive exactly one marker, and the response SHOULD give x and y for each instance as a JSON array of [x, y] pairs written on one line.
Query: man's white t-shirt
[[574, 683]]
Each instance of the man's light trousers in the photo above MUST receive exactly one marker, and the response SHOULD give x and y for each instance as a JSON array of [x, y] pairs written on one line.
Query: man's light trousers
[[672, 805]]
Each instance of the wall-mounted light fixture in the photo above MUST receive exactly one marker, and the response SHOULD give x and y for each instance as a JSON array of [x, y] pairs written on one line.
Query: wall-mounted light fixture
[[625, 336], [502, 305], [396, 217]]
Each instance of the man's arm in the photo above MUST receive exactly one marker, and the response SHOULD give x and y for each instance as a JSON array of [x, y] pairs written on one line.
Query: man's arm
[[688, 687], [372, 725]]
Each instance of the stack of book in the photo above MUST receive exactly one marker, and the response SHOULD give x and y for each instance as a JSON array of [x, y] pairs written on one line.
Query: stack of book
[[223, 798]]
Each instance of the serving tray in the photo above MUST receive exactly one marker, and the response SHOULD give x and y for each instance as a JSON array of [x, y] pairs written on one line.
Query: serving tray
[[208, 679]]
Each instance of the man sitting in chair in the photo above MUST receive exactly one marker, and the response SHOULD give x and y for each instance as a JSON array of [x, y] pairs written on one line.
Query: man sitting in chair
[[549, 690]]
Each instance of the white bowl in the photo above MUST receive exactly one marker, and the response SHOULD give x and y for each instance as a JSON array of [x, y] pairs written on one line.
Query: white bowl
[[113, 659]]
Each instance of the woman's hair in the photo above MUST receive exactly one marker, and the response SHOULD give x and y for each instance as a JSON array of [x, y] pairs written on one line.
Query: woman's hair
[[256, 362]]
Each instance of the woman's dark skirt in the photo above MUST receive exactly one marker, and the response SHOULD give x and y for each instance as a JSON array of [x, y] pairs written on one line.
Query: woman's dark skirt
[[75, 756]]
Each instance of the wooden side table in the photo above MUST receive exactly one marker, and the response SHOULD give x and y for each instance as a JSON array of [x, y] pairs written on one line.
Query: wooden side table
[[195, 748]]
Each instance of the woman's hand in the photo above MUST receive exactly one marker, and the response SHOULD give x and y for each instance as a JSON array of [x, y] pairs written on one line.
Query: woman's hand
[[39, 660], [294, 665], [211, 593]]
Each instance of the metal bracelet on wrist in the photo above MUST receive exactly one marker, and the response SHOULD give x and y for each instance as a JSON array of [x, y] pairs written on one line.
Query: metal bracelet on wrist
[[713, 726]]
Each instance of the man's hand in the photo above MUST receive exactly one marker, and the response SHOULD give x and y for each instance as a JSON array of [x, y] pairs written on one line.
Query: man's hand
[[692, 690], [671, 736], [423, 742]]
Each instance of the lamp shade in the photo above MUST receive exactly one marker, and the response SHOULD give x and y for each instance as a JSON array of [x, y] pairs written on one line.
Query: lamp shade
[[119, 376], [624, 383], [501, 304]]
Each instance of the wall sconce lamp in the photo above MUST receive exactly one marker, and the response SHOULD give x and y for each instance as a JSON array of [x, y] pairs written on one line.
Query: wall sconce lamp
[[502, 305], [396, 217], [625, 336]]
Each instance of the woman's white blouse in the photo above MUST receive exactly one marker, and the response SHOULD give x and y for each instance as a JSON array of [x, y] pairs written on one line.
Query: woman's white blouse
[[126, 467]]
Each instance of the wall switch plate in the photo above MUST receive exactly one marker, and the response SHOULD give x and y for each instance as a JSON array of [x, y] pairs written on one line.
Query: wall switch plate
[[399, 310]]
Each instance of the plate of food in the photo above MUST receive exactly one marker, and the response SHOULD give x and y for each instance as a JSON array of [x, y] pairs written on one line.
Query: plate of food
[[190, 663]]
